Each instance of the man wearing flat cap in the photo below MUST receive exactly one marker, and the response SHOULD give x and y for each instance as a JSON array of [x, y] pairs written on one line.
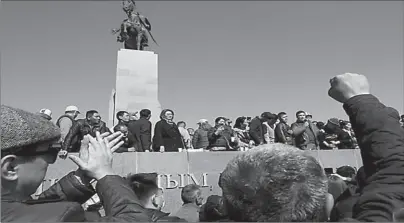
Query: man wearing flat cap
[[25, 156]]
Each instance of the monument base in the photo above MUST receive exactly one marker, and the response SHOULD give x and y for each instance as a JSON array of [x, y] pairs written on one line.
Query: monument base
[[136, 84]]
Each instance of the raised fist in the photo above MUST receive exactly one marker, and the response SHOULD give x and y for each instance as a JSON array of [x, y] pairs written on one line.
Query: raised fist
[[345, 86]]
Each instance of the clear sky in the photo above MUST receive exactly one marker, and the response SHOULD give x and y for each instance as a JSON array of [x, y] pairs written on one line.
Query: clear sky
[[227, 58]]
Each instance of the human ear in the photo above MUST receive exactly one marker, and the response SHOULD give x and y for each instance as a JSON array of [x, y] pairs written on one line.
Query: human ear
[[154, 201], [329, 204], [9, 168]]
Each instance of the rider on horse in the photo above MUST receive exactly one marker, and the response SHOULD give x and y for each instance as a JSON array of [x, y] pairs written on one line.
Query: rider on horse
[[134, 29]]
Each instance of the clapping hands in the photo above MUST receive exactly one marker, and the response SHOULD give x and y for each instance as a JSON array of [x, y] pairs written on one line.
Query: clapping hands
[[95, 156]]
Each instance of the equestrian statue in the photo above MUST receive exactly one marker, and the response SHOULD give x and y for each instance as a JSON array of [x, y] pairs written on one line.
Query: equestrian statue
[[135, 29]]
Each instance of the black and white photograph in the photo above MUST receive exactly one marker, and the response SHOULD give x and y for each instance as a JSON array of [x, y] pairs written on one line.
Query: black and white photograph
[[202, 111]]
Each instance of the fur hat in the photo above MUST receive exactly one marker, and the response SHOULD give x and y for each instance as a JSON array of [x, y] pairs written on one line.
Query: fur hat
[[20, 128]]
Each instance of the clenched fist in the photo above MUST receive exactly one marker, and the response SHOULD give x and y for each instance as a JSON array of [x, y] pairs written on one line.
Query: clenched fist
[[348, 85]]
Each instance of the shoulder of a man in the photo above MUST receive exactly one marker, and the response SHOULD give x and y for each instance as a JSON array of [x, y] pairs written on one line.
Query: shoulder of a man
[[65, 119], [41, 211], [280, 125]]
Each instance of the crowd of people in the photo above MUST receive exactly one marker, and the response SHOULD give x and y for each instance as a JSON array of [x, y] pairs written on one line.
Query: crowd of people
[[246, 133], [273, 182]]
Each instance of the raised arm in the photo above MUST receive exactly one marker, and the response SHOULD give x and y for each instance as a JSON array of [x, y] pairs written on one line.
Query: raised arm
[[381, 140]]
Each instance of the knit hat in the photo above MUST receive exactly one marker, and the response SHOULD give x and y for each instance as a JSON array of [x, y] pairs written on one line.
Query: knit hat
[[20, 128]]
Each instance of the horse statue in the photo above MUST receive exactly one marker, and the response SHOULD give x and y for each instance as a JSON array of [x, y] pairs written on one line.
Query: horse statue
[[135, 29]]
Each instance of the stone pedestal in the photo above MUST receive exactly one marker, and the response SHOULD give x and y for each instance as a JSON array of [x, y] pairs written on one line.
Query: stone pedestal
[[136, 84]]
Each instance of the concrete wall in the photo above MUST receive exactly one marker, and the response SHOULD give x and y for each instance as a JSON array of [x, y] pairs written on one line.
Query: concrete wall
[[137, 82], [179, 169]]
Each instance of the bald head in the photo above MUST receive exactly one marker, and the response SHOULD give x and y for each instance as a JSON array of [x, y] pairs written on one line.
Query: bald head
[[274, 182]]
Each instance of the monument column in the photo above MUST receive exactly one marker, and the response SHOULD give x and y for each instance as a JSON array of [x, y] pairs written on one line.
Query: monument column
[[137, 83]]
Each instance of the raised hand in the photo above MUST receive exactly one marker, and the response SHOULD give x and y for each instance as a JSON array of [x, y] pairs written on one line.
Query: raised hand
[[95, 160], [345, 86]]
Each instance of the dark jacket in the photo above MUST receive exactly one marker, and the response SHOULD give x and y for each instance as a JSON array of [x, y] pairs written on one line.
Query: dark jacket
[[81, 128], [159, 216], [75, 141], [222, 140], [128, 142], [141, 130], [346, 141], [167, 135], [300, 132], [282, 135], [200, 139], [324, 137], [256, 131], [344, 204], [381, 141], [344, 208], [62, 202]]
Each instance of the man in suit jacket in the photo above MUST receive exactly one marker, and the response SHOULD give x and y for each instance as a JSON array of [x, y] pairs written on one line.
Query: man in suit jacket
[[141, 129]]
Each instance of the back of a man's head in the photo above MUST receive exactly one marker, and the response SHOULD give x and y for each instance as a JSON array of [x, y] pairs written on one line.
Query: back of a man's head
[[274, 182], [145, 113], [190, 194], [26, 150], [144, 185], [346, 171]]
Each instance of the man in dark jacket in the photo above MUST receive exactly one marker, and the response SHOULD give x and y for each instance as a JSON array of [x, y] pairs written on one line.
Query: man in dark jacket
[[65, 123], [221, 137], [141, 130], [151, 197], [82, 127], [305, 133], [256, 130], [283, 132], [345, 203], [123, 117], [25, 156], [200, 139], [128, 139], [213, 210], [381, 141]]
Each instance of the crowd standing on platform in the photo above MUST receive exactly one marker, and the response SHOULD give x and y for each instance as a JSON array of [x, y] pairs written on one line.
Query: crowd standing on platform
[[274, 180], [246, 133]]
